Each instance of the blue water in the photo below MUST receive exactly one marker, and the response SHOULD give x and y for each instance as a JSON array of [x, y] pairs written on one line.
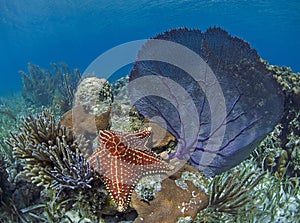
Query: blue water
[[76, 32]]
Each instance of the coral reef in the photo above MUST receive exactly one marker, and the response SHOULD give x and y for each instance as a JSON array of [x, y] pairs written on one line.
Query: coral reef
[[253, 99], [278, 201], [124, 117], [281, 149], [46, 177], [289, 81], [8, 113], [197, 178], [85, 124], [15, 192]]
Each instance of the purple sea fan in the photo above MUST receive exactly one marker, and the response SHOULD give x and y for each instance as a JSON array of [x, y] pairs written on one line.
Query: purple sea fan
[[211, 91]]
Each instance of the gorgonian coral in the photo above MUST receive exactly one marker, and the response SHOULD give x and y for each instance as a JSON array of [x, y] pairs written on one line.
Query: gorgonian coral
[[38, 85], [50, 87], [218, 107], [50, 154]]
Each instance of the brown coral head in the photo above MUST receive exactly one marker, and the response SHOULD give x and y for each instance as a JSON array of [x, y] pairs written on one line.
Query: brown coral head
[[84, 123]]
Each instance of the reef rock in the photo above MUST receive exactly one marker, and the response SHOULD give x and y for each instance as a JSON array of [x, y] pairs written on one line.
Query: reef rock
[[172, 201], [211, 91]]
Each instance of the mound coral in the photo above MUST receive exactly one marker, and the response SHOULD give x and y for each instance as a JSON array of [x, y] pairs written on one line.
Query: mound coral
[[94, 94]]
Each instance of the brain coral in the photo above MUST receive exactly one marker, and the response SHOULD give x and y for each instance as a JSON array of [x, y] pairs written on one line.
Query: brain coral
[[253, 99]]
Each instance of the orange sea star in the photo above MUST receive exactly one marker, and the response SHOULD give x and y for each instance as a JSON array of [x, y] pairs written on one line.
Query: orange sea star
[[121, 160]]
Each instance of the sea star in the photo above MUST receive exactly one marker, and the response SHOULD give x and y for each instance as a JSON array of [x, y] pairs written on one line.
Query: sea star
[[121, 160]]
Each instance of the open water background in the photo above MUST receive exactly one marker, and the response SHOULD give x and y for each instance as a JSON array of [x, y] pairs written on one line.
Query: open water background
[[76, 31]]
